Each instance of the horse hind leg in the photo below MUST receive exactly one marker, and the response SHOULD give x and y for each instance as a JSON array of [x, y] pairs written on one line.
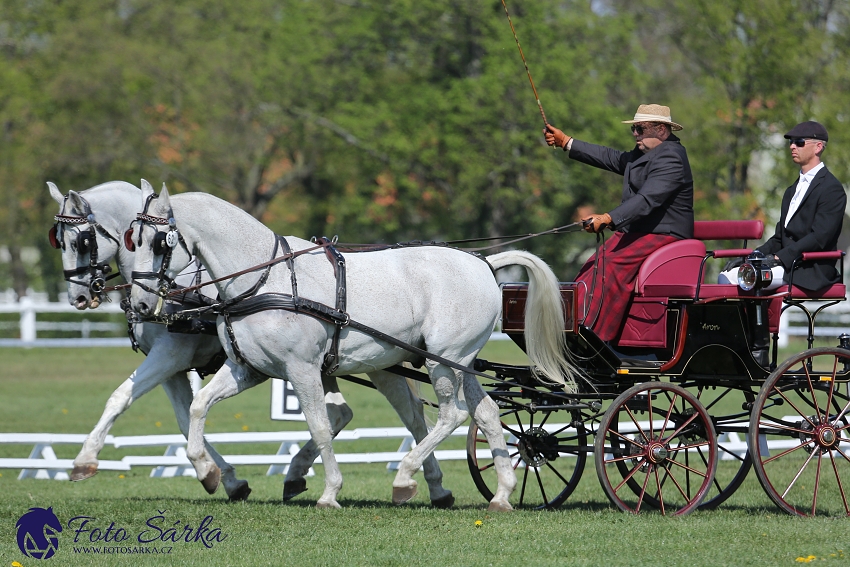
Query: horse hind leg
[[179, 392], [452, 413], [485, 412], [339, 415], [409, 408]]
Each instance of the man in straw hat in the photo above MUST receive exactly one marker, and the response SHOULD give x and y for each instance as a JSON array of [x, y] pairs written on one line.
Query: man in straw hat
[[657, 208]]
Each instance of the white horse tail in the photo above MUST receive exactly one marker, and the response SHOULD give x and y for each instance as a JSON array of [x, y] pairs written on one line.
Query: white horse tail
[[545, 340]]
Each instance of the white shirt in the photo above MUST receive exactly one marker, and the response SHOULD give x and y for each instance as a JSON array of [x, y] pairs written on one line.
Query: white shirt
[[802, 187]]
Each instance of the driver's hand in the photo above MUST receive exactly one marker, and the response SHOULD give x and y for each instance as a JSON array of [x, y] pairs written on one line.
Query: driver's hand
[[555, 137], [596, 223]]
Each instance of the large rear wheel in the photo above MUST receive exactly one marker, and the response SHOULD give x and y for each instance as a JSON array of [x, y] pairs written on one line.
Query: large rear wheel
[[799, 434], [656, 446], [548, 457]]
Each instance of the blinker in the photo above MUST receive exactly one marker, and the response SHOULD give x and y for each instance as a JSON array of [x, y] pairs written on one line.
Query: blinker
[[52, 237], [128, 240]]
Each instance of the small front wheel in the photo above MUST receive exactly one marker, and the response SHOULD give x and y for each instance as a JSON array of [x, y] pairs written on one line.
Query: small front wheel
[[798, 434], [548, 456], [656, 446]]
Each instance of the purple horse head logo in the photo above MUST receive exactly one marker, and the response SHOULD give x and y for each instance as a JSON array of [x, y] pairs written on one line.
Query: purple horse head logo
[[38, 533]]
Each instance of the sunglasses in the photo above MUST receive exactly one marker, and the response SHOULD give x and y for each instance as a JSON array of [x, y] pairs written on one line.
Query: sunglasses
[[639, 129], [799, 142]]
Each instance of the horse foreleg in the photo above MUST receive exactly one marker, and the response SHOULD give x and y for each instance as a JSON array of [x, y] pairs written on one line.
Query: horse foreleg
[[228, 381], [485, 412], [339, 415], [409, 408], [179, 391], [144, 379], [306, 381], [451, 414]]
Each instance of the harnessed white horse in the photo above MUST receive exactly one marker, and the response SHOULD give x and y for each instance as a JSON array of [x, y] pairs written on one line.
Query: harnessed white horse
[[441, 300], [89, 228]]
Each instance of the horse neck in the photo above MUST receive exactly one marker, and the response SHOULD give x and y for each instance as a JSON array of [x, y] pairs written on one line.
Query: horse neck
[[226, 239], [114, 206]]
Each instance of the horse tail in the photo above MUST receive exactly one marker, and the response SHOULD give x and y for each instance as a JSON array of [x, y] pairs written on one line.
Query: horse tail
[[545, 340]]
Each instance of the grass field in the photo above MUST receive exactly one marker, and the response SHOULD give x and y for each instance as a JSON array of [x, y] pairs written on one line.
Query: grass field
[[63, 391]]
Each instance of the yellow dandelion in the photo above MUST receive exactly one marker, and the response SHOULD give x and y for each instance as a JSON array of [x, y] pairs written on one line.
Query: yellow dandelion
[[158, 424], [238, 415], [120, 476], [16, 564], [478, 523], [64, 411], [245, 428]]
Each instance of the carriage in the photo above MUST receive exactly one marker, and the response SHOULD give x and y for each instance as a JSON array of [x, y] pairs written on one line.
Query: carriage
[[664, 410]]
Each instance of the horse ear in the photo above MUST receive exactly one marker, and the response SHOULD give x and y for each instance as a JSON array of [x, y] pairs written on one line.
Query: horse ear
[[76, 203], [55, 193], [147, 189], [164, 199]]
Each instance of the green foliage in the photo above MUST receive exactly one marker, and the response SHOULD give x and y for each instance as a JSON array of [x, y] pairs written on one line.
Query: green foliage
[[396, 120]]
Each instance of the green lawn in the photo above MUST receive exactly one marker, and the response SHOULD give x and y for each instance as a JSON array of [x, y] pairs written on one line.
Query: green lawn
[[58, 390]]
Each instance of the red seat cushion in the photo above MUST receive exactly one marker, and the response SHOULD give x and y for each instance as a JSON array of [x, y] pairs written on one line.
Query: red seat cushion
[[728, 230], [835, 291], [675, 267]]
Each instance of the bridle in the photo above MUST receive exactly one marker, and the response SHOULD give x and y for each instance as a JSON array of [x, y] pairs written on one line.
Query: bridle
[[163, 245], [85, 241]]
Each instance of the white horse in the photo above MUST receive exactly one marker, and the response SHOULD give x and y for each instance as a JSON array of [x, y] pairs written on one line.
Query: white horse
[[438, 299], [112, 206]]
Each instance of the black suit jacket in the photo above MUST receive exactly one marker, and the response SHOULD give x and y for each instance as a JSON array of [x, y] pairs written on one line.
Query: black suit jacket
[[813, 228], [658, 188]]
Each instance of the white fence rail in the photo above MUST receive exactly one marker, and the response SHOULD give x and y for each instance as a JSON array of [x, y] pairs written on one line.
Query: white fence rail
[[831, 323], [42, 462]]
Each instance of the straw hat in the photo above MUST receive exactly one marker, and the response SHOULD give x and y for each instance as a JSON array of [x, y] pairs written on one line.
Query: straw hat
[[654, 113]]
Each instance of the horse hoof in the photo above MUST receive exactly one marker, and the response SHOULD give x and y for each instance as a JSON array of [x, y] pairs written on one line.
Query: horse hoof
[[403, 494], [445, 502], [241, 493], [496, 506], [292, 488], [329, 505], [82, 472], [212, 480]]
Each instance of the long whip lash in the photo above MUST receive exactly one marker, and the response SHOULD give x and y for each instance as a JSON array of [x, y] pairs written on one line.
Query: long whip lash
[[530, 80]]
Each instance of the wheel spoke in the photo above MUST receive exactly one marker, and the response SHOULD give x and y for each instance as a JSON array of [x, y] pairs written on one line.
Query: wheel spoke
[[840, 484], [660, 494], [799, 472], [637, 425]]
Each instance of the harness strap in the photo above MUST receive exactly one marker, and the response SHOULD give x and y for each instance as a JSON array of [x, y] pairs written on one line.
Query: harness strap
[[331, 362], [286, 302]]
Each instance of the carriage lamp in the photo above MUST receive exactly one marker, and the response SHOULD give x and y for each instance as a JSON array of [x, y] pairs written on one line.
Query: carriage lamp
[[754, 273]]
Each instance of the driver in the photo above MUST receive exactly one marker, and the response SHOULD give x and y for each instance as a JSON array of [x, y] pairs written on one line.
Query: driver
[[657, 209]]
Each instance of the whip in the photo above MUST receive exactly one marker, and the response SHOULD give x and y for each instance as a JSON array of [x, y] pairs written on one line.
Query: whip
[[530, 80]]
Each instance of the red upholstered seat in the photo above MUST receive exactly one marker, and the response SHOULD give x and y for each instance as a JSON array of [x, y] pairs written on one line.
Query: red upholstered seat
[[672, 270], [728, 230], [835, 291]]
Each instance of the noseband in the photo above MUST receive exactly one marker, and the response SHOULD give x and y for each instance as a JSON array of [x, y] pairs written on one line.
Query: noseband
[[86, 241]]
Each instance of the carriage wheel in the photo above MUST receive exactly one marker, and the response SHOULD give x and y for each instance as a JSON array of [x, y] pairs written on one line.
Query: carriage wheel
[[799, 434], [656, 446], [548, 457], [732, 466]]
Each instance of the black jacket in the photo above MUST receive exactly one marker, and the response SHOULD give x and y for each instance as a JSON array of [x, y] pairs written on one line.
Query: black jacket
[[813, 228], [658, 188]]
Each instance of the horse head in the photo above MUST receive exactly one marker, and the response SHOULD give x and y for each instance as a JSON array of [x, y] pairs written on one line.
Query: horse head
[[161, 251], [88, 237]]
